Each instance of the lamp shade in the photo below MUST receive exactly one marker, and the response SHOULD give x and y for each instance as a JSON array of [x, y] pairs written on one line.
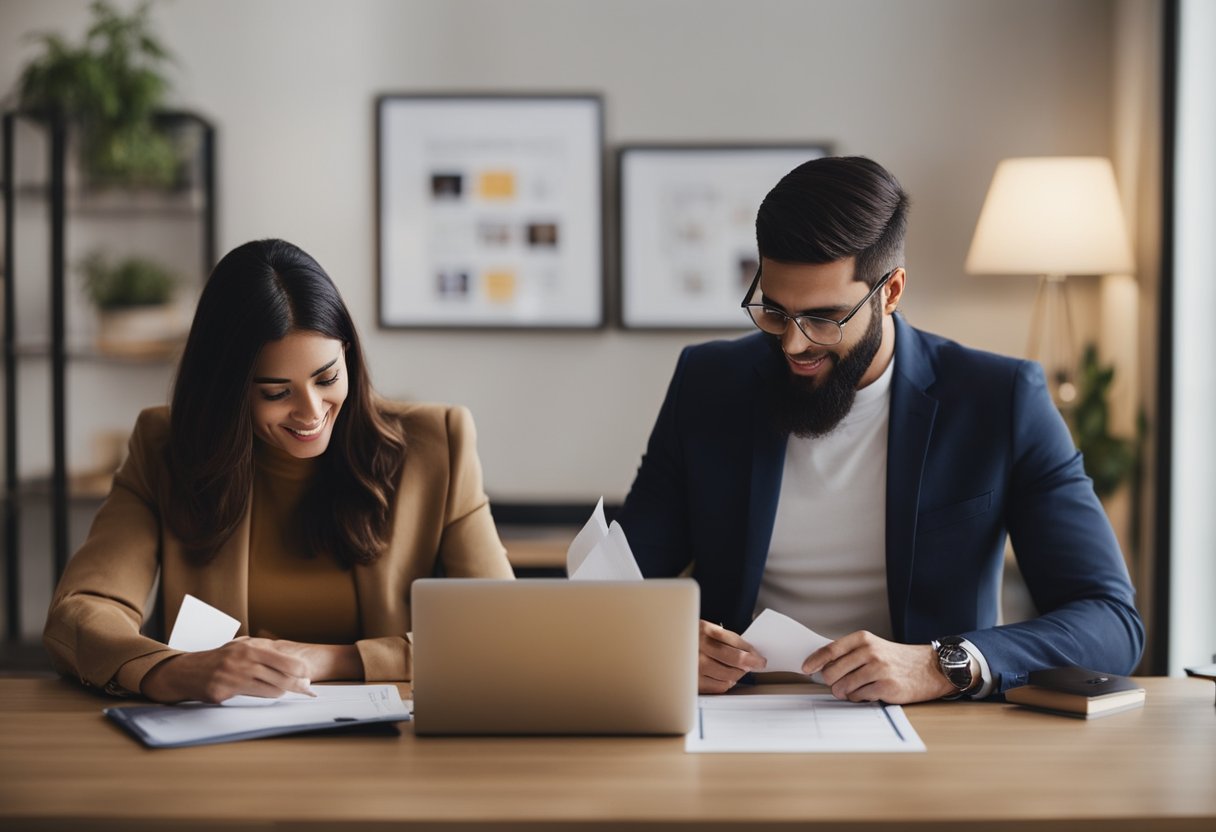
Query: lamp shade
[[1051, 215]]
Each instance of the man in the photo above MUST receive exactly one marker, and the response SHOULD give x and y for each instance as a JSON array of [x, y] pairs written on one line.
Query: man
[[860, 476]]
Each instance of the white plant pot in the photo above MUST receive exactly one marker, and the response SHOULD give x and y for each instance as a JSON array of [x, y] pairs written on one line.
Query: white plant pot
[[139, 330]]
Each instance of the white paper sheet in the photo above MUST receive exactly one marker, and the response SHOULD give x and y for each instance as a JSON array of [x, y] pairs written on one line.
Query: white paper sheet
[[244, 700], [592, 532], [798, 723], [600, 552], [783, 642], [200, 626]]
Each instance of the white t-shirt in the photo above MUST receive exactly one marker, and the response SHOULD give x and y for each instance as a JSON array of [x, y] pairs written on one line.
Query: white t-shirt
[[827, 564]]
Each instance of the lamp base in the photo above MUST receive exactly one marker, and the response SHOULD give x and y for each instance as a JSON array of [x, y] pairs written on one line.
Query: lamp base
[[1051, 339]]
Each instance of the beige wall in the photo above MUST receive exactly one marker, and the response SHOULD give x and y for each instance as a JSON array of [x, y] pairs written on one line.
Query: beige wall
[[1130, 308], [937, 90]]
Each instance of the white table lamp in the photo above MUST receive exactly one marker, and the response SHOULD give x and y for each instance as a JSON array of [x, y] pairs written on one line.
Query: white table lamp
[[1052, 216]]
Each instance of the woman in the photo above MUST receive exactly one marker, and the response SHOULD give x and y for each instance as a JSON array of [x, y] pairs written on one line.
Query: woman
[[280, 489]]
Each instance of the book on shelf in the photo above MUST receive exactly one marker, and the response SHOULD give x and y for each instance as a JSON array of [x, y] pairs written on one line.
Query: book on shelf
[[1078, 692]]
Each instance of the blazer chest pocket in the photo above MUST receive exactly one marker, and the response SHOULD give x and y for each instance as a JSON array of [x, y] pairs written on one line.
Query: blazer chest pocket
[[939, 518]]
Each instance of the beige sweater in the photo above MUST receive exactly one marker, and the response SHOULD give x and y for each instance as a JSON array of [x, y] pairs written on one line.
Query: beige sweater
[[294, 592], [441, 516]]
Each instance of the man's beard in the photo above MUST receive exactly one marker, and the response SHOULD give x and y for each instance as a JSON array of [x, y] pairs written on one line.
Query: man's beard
[[809, 410]]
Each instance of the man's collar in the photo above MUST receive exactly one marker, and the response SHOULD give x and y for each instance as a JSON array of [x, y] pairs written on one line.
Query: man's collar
[[911, 358]]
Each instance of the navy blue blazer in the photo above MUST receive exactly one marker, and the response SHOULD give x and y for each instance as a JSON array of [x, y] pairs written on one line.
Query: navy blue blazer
[[975, 450]]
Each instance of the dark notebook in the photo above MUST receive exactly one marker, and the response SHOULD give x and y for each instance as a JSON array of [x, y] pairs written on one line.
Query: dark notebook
[[1207, 671], [1079, 692]]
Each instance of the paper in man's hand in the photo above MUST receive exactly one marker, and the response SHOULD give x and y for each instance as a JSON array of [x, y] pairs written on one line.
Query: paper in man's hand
[[783, 642]]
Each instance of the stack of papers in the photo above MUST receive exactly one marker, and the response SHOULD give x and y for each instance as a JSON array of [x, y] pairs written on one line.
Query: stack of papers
[[335, 706]]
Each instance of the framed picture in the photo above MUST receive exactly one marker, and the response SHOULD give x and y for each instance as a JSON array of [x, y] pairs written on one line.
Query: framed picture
[[490, 211], [688, 229]]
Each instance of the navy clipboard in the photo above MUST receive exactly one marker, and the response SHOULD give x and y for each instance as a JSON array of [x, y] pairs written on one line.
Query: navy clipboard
[[341, 708]]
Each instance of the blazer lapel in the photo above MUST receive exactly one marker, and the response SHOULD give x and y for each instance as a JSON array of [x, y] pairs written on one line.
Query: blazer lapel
[[911, 425], [768, 464]]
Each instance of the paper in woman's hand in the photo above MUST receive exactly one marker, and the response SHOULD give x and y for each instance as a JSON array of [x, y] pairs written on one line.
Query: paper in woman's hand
[[200, 626]]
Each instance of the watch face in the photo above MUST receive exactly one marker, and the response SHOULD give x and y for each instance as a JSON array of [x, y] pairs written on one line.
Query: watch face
[[954, 655]]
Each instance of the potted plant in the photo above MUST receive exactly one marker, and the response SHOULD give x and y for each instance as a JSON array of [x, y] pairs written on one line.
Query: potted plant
[[110, 86], [134, 300], [1109, 460]]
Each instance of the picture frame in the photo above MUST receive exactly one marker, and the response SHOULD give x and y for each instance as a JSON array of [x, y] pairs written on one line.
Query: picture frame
[[686, 220], [490, 211]]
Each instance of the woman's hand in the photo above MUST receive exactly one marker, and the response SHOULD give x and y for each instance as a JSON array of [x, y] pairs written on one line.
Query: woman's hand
[[253, 666], [326, 662]]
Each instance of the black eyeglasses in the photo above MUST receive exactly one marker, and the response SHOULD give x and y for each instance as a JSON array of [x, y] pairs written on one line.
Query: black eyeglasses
[[822, 331]]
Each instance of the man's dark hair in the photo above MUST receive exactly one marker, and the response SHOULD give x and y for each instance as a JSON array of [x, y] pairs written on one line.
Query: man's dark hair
[[833, 208]]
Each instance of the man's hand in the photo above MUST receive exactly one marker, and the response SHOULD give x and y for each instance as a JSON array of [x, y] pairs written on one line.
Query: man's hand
[[862, 667], [724, 659], [253, 666]]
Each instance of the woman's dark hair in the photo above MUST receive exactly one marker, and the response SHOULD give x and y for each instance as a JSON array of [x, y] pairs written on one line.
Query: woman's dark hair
[[258, 293], [832, 208]]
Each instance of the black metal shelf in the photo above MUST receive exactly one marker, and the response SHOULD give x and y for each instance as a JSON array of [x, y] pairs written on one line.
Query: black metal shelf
[[166, 353], [112, 204], [83, 489], [65, 202]]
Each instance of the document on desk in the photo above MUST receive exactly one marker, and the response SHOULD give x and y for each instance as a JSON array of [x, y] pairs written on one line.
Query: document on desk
[[799, 723], [335, 706]]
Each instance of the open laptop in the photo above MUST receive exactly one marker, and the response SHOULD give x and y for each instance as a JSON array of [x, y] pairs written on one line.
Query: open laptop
[[547, 656]]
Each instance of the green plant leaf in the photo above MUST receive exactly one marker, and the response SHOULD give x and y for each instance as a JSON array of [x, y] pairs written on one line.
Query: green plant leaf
[[111, 84], [1109, 460], [134, 281]]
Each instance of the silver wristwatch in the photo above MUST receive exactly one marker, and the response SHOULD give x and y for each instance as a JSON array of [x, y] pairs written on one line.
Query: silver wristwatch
[[955, 664]]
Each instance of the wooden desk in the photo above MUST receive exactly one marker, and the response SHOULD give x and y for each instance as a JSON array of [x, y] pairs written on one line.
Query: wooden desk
[[989, 767], [537, 548]]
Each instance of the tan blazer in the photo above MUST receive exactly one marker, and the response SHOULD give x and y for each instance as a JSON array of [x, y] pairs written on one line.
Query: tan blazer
[[441, 516]]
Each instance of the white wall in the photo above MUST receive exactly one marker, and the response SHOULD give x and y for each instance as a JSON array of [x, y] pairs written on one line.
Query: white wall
[[937, 90], [1192, 524]]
